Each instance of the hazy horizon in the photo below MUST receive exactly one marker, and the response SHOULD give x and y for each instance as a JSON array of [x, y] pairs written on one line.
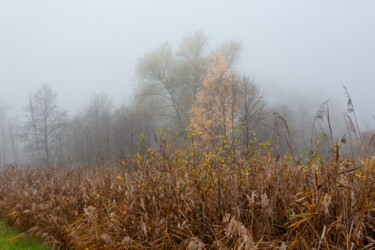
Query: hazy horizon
[[292, 49]]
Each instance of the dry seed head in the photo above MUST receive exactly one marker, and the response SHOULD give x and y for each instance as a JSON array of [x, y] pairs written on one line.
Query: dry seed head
[[283, 246], [127, 240], [74, 235], [251, 198], [106, 238], [235, 226], [218, 245], [326, 202], [26, 211], [226, 218], [264, 201], [89, 211], [142, 203], [195, 244], [245, 240], [144, 229]]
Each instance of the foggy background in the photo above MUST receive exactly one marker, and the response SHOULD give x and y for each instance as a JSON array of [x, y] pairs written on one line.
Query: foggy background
[[300, 51]]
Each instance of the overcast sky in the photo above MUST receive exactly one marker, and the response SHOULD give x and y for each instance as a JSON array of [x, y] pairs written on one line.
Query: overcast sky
[[308, 48]]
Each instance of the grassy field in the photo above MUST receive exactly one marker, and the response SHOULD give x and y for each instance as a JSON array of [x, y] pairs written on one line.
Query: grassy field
[[195, 200], [11, 239]]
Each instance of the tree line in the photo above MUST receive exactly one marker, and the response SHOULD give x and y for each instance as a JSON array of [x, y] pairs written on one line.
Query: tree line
[[193, 89]]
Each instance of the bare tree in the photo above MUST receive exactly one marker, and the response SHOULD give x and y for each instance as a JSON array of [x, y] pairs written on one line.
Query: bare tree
[[129, 123], [3, 110], [253, 107], [43, 123], [100, 117], [91, 130], [13, 129], [80, 139]]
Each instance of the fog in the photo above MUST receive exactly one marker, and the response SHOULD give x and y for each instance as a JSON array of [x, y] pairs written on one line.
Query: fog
[[84, 47], [300, 53]]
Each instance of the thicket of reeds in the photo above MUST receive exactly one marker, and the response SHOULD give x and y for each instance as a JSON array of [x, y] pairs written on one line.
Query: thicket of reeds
[[193, 199]]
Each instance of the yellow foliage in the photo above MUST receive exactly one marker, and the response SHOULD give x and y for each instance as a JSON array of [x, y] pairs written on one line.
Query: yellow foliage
[[214, 114]]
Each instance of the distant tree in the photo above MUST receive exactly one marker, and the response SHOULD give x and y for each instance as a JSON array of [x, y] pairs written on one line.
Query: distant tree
[[3, 117], [9, 135], [99, 114], [253, 107], [80, 140], [14, 129], [124, 127], [43, 123], [128, 125], [215, 112], [192, 60], [231, 51], [172, 80], [156, 76], [91, 130]]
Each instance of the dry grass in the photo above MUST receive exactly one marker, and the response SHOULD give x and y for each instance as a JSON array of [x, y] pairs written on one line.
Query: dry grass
[[183, 199]]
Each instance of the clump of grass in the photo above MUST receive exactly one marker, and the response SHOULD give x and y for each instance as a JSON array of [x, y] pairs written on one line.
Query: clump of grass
[[189, 199], [10, 239]]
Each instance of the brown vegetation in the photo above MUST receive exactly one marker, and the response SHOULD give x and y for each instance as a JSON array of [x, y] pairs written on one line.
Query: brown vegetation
[[195, 200]]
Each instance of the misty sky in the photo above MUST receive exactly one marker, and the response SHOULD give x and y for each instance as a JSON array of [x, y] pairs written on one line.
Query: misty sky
[[306, 48]]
